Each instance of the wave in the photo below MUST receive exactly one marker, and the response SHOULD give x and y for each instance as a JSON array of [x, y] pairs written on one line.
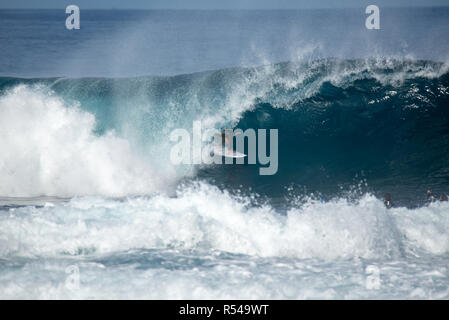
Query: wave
[[204, 218], [206, 242], [383, 121], [49, 148]]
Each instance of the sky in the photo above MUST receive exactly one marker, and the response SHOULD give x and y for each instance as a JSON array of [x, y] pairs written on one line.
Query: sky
[[215, 4]]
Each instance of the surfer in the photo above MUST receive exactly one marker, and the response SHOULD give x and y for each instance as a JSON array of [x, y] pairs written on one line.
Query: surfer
[[226, 139], [430, 196], [388, 201], [223, 144]]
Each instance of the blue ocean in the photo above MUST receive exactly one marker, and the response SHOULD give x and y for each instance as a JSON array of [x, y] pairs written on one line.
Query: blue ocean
[[91, 207]]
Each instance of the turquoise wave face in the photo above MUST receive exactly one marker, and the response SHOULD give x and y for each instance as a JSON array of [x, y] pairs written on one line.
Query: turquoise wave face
[[379, 124], [384, 138]]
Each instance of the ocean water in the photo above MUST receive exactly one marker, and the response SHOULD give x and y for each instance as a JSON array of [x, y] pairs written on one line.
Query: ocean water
[[92, 207]]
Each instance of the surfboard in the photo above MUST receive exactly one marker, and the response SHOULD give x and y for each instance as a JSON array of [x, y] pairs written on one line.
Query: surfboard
[[228, 153]]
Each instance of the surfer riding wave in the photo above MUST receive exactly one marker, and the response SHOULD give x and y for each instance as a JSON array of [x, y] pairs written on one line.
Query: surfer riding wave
[[226, 142]]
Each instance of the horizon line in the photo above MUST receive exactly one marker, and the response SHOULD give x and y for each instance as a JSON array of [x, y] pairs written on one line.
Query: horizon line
[[231, 9]]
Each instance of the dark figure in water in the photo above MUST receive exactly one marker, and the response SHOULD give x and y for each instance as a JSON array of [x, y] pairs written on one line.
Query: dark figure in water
[[388, 201], [430, 196], [443, 197]]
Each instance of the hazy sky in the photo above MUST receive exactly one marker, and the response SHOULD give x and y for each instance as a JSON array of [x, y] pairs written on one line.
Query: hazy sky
[[216, 4]]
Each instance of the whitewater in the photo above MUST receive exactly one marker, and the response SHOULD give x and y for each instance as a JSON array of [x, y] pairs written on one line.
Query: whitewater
[[205, 244]]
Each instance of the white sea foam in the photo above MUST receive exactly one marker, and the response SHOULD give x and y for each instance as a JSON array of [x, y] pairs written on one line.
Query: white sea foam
[[203, 217], [205, 243], [239, 278], [49, 148]]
